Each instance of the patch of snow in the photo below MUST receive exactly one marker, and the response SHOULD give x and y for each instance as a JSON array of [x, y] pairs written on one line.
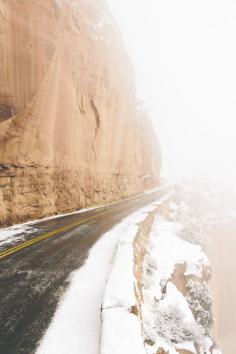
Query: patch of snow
[[175, 297], [121, 333], [188, 346], [166, 312], [166, 249], [15, 233]]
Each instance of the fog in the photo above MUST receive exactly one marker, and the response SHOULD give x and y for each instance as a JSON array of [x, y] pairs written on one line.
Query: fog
[[184, 53]]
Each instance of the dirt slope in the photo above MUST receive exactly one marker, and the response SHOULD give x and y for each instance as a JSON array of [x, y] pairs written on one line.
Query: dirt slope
[[222, 247]]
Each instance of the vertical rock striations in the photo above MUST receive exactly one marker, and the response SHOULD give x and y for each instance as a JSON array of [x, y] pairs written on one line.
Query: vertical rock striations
[[70, 134]]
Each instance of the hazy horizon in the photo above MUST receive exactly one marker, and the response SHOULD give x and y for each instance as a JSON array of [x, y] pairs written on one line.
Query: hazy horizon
[[184, 55]]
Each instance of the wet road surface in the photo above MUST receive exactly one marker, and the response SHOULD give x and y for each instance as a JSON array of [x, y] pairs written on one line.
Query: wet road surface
[[33, 279]]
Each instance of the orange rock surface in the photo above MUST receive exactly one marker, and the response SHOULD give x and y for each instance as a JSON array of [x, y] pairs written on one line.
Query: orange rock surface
[[70, 132]]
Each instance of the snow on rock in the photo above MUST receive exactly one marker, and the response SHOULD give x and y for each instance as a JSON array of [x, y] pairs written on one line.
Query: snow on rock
[[172, 322], [168, 321], [166, 250]]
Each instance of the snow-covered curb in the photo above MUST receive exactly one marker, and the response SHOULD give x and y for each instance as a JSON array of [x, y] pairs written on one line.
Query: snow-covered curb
[[121, 327], [121, 331]]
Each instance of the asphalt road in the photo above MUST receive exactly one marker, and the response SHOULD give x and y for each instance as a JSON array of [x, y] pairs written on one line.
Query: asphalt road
[[34, 273]]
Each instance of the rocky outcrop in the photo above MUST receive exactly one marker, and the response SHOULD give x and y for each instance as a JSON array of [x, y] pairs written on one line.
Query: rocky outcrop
[[70, 132]]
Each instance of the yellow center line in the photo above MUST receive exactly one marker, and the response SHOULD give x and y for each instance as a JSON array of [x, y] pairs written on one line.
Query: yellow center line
[[50, 234]]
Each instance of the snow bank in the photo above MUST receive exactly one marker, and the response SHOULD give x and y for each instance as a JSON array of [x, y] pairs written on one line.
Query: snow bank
[[121, 330]]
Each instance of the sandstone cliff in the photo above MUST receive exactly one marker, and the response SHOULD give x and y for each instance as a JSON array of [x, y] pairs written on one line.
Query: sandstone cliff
[[70, 134]]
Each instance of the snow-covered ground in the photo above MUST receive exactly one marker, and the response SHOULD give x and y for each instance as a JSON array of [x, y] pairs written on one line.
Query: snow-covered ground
[[167, 316], [76, 326]]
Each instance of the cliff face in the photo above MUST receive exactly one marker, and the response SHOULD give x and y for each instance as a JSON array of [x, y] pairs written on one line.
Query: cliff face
[[70, 133]]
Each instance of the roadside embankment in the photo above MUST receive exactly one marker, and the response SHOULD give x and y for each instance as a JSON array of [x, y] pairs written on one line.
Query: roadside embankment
[[157, 300]]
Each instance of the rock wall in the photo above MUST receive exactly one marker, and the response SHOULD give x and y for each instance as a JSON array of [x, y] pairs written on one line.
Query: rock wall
[[70, 132]]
